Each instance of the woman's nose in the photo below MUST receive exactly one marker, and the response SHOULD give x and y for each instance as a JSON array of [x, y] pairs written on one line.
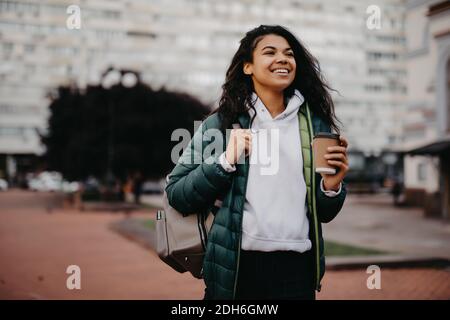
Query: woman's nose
[[281, 59]]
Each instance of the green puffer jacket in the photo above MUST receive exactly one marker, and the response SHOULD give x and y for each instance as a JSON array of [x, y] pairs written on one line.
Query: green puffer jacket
[[192, 187]]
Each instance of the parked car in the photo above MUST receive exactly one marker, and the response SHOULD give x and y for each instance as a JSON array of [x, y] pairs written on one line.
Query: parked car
[[153, 187], [46, 181], [90, 189], [70, 187], [3, 185]]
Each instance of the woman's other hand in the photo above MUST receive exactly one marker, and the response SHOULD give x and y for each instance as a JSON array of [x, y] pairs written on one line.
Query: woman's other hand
[[336, 157]]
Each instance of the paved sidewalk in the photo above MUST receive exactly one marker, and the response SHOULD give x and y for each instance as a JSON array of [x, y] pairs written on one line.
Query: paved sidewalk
[[37, 245], [372, 221], [396, 284]]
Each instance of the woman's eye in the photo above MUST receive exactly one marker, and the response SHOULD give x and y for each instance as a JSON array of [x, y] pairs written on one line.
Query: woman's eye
[[268, 52]]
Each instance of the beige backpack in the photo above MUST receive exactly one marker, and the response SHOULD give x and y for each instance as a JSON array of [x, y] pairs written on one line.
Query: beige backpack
[[181, 240]]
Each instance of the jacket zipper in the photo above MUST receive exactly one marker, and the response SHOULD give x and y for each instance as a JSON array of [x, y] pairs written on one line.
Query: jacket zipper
[[240, 235], [314, 215], [313, 205]]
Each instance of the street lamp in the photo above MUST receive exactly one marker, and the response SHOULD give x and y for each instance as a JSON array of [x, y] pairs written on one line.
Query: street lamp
[[110, 78], [129, 79]]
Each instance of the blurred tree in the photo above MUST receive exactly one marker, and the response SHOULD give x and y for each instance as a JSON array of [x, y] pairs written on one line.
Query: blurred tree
[[138, 121]]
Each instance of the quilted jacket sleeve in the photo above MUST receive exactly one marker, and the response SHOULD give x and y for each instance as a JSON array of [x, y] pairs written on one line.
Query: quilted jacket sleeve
[[328, 207], [195, 182]]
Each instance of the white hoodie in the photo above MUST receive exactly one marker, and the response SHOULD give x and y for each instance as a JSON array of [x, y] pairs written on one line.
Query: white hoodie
[[274, 216]]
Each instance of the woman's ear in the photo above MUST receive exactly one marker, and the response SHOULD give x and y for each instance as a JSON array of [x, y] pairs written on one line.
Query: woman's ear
[[248, 69]]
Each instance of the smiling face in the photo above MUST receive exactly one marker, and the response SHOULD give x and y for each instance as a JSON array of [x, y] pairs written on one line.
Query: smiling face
[[273, 66]]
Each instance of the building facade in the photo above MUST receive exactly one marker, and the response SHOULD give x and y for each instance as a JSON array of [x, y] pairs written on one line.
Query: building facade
[[187, 45], [427, 117]]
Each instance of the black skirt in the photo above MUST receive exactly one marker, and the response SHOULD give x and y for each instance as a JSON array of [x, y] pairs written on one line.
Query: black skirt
[[276, 275]]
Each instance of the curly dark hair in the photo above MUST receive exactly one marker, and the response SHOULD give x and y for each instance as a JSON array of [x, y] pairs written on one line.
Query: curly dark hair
[[238, 87]]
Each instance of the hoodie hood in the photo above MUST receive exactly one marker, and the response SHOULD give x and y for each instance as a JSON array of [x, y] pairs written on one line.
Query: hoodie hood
[[292, 108]]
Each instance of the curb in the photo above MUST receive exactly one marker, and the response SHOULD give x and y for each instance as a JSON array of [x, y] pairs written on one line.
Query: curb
[[386, 261], [108, 206], [134, 230]]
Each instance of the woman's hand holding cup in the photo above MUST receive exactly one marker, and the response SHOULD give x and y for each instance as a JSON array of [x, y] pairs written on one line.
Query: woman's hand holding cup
[[336, 156]]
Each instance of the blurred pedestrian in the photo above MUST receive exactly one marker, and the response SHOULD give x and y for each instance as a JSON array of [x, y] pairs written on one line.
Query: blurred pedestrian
[[128, 189], [397, 189], [137, 187]]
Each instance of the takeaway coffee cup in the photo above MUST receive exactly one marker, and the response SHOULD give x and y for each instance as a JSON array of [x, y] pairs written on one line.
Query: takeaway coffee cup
[[321, 142]]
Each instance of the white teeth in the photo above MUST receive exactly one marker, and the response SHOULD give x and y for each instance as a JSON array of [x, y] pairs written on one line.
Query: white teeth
[[281, 71]]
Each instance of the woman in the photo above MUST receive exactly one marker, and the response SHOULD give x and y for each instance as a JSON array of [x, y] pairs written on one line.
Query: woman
[[266, 239]]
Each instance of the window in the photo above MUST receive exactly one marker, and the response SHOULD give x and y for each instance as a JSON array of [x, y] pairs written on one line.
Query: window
[[375, 56], [11, 131], [391, 139], [29, 48], [6, 108], [421, 172], [357, 161], [8, 47]]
